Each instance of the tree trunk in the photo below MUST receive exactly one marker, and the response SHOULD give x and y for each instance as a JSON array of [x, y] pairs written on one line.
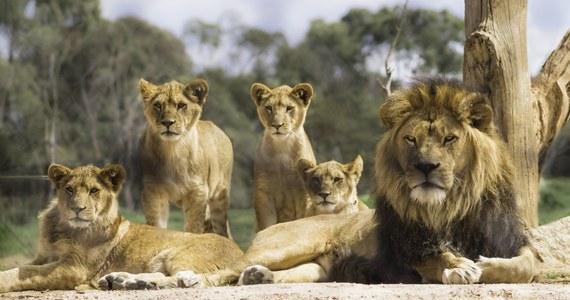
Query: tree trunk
[[496, 63]]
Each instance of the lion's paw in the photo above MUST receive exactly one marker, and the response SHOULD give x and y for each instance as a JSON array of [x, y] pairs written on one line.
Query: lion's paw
[[464, 272], [128, 281], [189, 279], [256, 274], [485, 262]]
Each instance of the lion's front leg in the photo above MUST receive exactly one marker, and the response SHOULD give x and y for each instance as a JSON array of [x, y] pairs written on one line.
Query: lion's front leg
[[265, 211], [189, 279], [142, 281], [8, 279], [155, 205], [219, 206], [308, 272], [519, 269], [194, 207], [449, 269], [53, 276]]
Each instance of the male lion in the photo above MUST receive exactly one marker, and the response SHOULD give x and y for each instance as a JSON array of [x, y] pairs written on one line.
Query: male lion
[[185, 160], [83, 236], [332, 186], [446, 205], [279, 193]]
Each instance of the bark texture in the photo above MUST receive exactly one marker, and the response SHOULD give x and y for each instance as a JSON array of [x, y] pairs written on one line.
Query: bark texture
[[528, 116]]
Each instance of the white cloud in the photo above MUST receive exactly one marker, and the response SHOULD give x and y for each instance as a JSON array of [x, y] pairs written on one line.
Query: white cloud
[[547, 20]]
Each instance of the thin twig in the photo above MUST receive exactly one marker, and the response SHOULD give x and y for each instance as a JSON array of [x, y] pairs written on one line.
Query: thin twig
[[387, 87]]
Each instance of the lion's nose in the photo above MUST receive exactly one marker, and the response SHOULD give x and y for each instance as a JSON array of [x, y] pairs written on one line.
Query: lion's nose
[[324, 195], [168, 123], [426, 168], [277, 126], [78, 209]]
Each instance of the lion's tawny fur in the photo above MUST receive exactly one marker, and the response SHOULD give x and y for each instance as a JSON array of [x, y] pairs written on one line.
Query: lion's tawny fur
[[83, 236], [279, 193], [332, 186], [444, 189], [483, 167], [184, 160], [303, 250]]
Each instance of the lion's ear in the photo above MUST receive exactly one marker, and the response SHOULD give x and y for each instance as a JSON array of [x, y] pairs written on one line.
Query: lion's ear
[[396, 108], [258, 91], [355, 167], [479, 111], [197, 91], [304, 165], [147, 89], [114, 175], [303, 92], [56, 173]]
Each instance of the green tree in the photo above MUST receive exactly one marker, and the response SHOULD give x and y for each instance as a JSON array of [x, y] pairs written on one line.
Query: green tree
[[71, 92], [337, 58]]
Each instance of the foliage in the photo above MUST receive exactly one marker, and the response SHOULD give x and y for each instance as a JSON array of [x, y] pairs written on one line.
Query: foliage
[[70, 95], [554, 199]]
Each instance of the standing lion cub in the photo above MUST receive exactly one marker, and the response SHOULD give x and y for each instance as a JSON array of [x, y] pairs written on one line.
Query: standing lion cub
[[280, 195], [184, 160]]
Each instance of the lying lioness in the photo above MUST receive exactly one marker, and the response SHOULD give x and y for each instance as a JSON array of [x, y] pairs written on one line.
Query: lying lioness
[[83, 236], [303, 250]]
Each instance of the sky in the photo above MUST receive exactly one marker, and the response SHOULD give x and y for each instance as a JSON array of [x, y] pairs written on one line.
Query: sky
[[548, 20]]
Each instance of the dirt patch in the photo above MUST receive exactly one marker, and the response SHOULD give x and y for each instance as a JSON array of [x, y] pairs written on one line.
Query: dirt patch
[[323, 291]]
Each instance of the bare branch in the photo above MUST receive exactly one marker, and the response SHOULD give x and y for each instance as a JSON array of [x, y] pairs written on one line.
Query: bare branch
[[550, 89], [387, 87]]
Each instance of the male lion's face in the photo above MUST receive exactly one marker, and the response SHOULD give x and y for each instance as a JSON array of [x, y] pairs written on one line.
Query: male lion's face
[[432, 126], [431, 152], [282, 110], [85, 193], [172, 109], [330, 185]]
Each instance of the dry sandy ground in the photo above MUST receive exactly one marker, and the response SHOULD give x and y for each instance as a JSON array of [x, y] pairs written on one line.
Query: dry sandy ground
[[321, 291]]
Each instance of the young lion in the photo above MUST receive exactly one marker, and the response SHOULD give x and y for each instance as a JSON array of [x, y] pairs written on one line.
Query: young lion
[[185, 160], [332, 186], [279, 193], [83, 236]]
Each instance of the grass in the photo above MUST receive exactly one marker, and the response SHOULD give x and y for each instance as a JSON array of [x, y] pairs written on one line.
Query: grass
[[21, 240], [554, 199]]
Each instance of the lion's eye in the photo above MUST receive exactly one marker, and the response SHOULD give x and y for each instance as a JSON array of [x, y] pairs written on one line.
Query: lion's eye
[[157, 106], [69, 190], [316, 180], [181, 106], [290, 108], [449, 139], [94, 191], [269, 109], [337, 180], [410, 139]]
